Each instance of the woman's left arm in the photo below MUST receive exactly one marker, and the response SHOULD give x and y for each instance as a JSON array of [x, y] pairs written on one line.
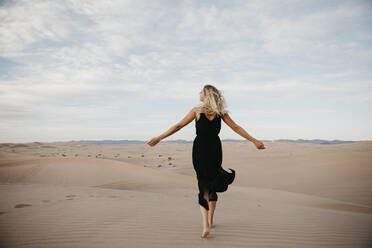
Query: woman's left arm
[[241, 131]]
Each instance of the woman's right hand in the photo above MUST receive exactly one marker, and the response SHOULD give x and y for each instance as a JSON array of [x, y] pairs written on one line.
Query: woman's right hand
[[153, 141], [259, 144]]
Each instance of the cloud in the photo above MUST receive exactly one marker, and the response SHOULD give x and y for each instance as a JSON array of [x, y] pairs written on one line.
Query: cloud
[[25, 23], [92, 57]]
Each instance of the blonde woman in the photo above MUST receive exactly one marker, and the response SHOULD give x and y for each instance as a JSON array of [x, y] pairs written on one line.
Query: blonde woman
[[207, 149]]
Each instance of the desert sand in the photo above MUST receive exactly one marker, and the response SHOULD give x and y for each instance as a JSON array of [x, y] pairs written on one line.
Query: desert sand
[[287, 195]]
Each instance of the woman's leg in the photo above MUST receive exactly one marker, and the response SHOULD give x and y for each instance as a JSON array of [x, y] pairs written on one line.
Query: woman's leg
[[212, 206], [204, 213]]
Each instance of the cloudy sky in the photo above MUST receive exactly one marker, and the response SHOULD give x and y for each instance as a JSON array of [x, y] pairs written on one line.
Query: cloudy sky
[[72, 70]]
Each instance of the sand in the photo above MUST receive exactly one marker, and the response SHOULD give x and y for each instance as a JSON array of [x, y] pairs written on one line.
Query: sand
[[288, 195]]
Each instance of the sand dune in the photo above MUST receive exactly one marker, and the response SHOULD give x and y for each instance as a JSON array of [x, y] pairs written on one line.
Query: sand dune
[[108, 201]]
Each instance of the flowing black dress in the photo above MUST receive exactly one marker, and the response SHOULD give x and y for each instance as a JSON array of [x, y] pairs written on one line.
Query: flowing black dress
[[207, 159]]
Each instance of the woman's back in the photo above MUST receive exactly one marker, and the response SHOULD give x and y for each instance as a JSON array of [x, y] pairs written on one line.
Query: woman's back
[[207, 127]]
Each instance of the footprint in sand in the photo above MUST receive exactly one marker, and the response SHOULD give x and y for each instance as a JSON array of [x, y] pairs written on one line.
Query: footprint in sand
[[70, 197], [22, 205]]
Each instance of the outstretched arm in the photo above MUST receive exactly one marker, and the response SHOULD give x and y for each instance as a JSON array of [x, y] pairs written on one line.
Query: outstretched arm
[[239, 130], [186, 120]]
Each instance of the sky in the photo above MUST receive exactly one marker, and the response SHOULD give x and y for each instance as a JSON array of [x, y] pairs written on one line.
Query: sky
[[92, 70]]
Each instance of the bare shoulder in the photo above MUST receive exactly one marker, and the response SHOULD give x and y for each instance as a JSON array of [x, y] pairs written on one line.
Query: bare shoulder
[[188, 118], [225, 115], [196, 110], [229, 121]]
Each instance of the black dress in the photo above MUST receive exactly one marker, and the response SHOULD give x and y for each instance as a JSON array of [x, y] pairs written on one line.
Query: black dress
[[207, 159]]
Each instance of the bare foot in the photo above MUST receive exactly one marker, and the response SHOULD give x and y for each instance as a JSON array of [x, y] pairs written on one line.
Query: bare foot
[[205, 234]]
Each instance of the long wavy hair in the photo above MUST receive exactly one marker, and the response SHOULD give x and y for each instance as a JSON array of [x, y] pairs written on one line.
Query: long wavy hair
[[214, 102]]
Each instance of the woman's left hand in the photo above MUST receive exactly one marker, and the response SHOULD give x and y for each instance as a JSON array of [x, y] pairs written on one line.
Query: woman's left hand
[[259, 144], [153, 141]]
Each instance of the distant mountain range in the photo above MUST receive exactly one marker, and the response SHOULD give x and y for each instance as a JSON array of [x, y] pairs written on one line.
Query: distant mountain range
[[316, 141], [313, 141]]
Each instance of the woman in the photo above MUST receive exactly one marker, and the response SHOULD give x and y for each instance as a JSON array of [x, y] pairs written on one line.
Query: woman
[[207, 149]]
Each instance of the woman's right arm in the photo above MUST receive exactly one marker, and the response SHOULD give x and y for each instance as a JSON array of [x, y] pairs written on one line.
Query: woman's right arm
[[186, 120]]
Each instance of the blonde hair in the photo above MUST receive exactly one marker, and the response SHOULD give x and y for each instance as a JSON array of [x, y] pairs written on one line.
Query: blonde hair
[[214, 102]]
